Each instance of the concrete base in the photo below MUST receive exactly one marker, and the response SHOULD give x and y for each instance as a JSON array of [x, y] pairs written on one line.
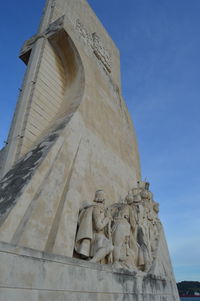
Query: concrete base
[[29, 275]]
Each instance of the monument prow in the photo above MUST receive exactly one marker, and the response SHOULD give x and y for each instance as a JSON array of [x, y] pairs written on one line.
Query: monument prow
[[71, 136]]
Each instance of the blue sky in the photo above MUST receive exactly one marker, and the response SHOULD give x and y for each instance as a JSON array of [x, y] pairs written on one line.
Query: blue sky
[[159, 42]]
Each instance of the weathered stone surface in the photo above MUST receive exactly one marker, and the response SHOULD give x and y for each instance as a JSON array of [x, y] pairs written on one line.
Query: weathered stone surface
[[72, 135], [126, 234], [27, 274], [77, 79]]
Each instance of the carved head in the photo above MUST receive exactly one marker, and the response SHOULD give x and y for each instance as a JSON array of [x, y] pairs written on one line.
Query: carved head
[[137, 199], [136, 191], [129, 198], [100, 197], [146, 195]]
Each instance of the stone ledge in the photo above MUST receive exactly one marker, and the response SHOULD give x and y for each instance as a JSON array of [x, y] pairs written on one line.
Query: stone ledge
[[35, 254], [27, 274]]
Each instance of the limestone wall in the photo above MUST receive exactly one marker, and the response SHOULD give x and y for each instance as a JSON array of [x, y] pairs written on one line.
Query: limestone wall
[[46, 90], [76, 132], [42, 194], [26, 274]]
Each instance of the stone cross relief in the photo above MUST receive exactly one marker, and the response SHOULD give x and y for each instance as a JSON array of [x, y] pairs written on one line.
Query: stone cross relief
[[92, 40], [95, 43], [123, 234]]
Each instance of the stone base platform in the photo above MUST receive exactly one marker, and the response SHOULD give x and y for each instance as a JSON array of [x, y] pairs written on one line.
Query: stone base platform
[[30, 275]]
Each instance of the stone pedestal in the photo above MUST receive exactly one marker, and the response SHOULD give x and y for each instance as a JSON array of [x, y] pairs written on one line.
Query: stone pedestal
[[26, 274]]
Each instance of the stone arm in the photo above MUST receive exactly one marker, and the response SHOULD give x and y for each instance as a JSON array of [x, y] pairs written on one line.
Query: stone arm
[[100, 221]]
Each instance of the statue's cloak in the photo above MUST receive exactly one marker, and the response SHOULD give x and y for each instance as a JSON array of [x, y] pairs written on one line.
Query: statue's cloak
[[84, 237]]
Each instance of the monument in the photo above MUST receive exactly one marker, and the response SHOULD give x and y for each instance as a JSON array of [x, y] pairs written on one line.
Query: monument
[[76, 220]]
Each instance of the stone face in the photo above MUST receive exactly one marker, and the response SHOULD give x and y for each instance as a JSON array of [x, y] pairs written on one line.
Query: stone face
[[75, 136]]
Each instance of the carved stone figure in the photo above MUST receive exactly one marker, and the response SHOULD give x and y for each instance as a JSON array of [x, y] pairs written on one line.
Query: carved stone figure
[[93, 236], [153, 232], [128, 232], [144, 235], [121, 231], [154, 227], [121, 235]]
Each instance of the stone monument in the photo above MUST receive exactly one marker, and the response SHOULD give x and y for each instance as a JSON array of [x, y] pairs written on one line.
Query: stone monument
[[76, 220]]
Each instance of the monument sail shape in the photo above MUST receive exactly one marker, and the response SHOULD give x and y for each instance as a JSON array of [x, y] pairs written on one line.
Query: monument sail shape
[[72, 136]]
